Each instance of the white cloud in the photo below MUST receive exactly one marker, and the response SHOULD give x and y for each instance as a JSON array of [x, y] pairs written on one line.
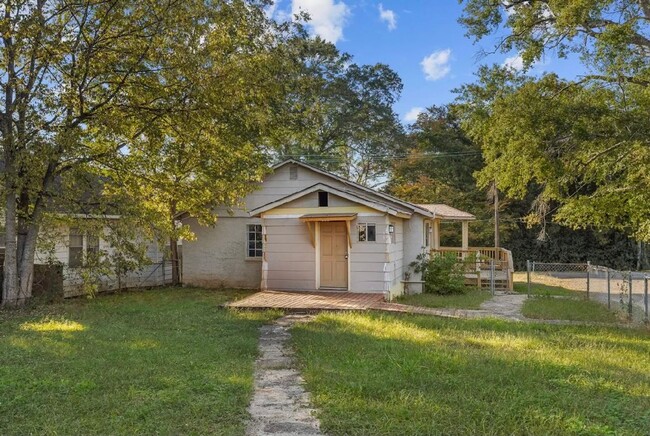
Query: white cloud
[[388, 16], [327, 17], [412, 115], [436, 65], [514, 63]]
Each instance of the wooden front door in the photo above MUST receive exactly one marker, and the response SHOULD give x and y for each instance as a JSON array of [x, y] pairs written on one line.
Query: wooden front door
[[333, 255]]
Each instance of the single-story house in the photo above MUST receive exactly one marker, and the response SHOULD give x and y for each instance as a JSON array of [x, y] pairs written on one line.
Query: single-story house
[[67, 249], [305, 229]]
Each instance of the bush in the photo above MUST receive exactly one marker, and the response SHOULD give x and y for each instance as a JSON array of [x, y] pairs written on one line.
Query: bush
[[442, 274]]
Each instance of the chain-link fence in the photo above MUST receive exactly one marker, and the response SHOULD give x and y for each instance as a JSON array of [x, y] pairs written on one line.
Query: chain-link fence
[[625, 291]]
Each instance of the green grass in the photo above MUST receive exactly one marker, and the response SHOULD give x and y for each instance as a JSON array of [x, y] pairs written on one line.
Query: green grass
[[153, 362], [471, 299], [567, 309], [379, 374], [545, 290]]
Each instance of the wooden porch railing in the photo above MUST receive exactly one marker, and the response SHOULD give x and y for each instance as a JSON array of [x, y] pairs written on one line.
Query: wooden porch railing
[[483, 257]]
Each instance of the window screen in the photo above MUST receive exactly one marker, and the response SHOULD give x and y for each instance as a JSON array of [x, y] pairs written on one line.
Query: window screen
[[255, 245], [75, 249], [367, 232], [92, 246], [323, 199], [427, 234]]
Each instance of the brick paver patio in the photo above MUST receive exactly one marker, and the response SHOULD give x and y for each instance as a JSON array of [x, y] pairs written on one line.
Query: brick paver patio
[[317, 301]]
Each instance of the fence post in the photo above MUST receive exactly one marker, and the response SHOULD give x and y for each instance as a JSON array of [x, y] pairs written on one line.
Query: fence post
[[588, 278], [645, 297], [609, 290], [528, 277], [629, 299], [492, 276]]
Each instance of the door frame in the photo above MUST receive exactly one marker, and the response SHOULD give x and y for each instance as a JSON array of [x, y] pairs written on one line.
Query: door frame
[[317, 253]]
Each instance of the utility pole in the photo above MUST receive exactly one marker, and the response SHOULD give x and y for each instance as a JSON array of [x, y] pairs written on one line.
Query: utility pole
[[497, 243]]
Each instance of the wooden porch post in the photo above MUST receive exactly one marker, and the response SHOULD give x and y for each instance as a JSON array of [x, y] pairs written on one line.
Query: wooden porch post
[[465, 243], [436, 234]]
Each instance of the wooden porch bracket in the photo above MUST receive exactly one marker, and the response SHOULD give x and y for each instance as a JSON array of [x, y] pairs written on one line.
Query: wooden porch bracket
[[327, 217]]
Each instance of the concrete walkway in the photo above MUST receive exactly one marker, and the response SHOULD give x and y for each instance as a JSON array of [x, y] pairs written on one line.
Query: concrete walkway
[[502, 306], [280, 405]]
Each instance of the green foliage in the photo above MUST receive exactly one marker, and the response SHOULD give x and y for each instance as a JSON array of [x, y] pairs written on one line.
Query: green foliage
[[339, 115], [581, 146], [442, 274], [583, 149], [438, 164], [610, 36]]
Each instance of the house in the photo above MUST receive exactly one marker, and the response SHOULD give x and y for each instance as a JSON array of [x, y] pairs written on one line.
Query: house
[[306, 229], [63, 255]]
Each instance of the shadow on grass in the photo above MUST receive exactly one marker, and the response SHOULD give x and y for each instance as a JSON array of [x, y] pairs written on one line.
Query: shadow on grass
[[394, 375], [160, 361]]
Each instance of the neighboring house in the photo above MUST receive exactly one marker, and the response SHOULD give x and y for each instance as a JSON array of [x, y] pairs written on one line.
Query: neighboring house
[[70, 248], [306, 229]]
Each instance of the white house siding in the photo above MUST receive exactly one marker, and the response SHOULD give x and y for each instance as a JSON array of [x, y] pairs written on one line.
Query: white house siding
[[370, 261], [152, 275], [396, 258], [290, 257], [413, 246], [218, 257]]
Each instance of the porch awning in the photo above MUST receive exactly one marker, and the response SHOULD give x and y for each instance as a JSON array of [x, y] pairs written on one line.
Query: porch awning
[[320, 217], [328, 217]]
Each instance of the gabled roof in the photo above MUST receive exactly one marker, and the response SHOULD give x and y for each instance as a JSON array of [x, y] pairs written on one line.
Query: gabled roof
[[413, 208], [380, 206], [447, 212]]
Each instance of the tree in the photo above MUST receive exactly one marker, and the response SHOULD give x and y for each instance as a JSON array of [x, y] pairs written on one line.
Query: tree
[[83, 82], [611, 37], [582, 145], [339, 114]]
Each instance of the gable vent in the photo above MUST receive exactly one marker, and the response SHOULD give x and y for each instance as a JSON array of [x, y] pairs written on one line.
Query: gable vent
[[293, 172]]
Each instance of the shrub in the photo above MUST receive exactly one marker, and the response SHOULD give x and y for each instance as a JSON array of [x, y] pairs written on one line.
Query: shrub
[[441, 274]]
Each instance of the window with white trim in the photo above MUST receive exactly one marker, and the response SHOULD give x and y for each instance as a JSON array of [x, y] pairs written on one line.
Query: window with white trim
[[427, 234], [81, 247], [367, 232], [254, 240]]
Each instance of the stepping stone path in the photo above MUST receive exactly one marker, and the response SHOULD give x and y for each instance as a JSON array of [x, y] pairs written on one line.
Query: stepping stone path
[[280, 405], [505, 305]]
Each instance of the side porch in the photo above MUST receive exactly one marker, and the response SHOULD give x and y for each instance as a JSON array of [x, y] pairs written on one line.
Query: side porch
[[481, 263]]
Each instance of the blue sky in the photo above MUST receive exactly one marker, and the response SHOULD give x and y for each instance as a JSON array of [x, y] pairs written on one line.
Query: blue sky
[[420, 39]]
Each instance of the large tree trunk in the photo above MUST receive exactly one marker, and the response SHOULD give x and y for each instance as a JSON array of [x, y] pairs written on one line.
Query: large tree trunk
[[10, 289], [26, 261], [176, 270], [173, 246]]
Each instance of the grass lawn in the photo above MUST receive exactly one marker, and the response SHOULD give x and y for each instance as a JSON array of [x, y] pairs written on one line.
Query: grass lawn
[[471, 299], [380, 374], [164, 361], [567, 309], [545, 290]]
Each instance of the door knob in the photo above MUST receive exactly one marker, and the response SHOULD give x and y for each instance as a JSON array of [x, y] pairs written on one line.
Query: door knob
[[346, 256]]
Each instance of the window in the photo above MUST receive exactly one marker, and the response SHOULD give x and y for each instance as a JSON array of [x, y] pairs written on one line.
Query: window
[[323, 199], [81, 246], [76, 248], [255, 244], [293, 172], [427, 234], [367, 232]]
